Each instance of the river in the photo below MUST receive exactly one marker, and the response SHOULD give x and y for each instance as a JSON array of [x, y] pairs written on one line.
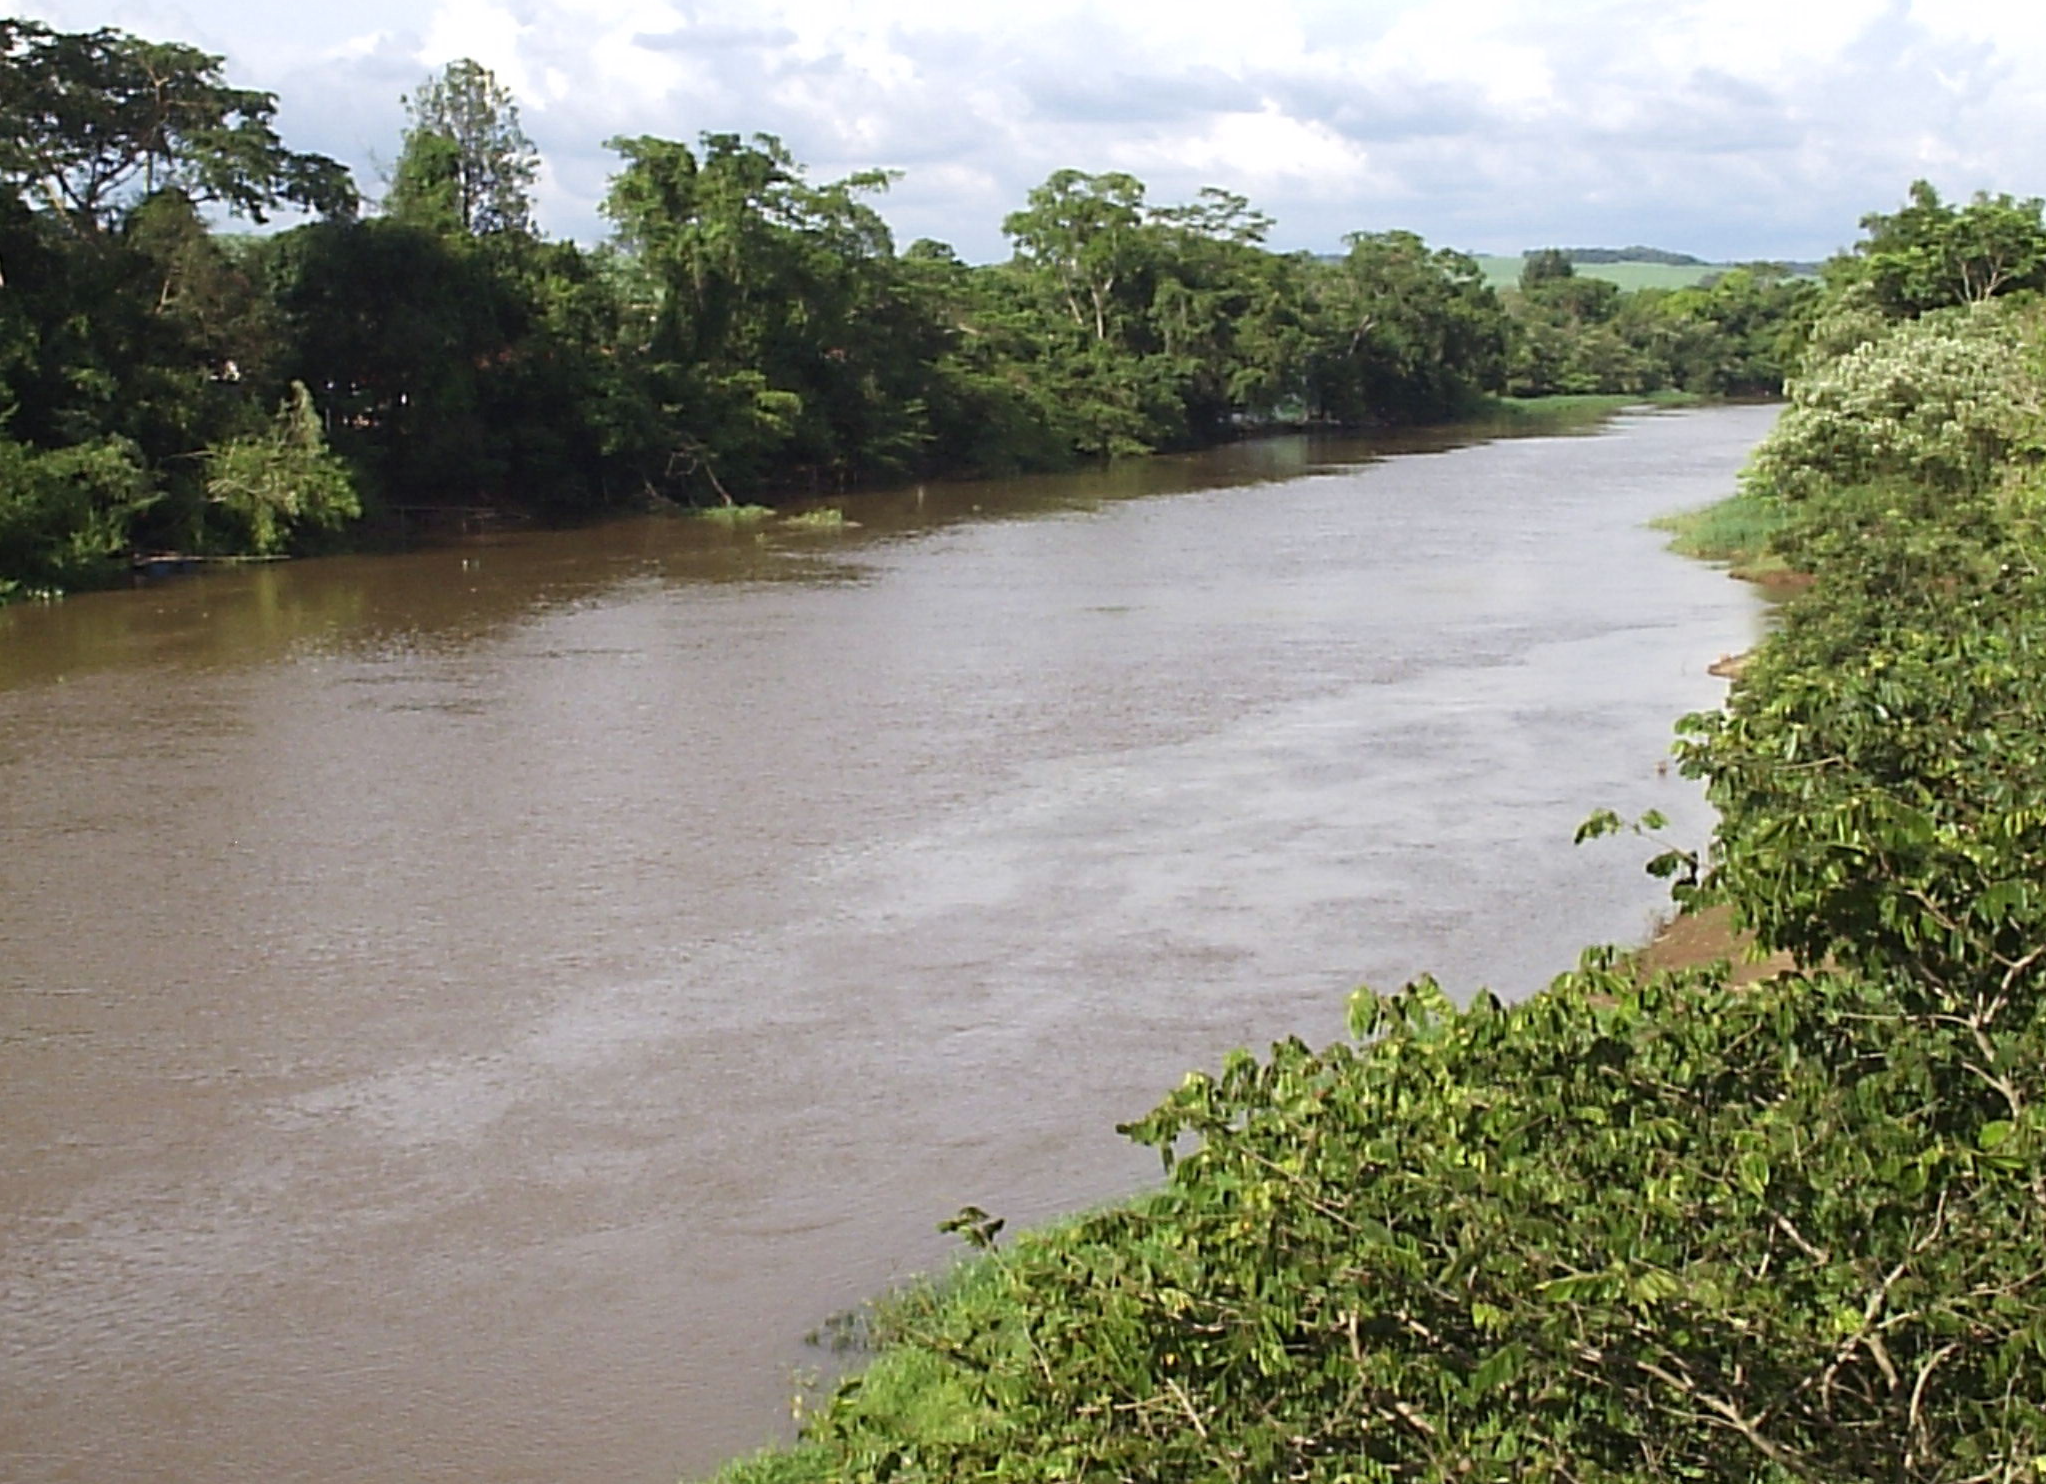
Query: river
[[466, 1014]]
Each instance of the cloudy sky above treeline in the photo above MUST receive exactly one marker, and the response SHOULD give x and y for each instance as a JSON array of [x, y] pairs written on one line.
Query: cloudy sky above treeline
[[1733, 129]]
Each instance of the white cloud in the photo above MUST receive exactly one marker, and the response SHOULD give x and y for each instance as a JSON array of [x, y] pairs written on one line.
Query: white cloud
[[1727, 127]]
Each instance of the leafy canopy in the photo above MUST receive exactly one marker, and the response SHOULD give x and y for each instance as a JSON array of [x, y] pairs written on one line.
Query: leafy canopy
[[1930, 255], [467, 166], [92, 120]]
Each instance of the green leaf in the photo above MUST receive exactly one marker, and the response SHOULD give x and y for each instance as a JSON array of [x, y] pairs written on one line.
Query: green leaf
[[1498, 1368], [1599, 823]]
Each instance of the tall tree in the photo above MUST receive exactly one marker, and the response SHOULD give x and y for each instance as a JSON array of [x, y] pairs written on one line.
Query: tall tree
[[1228, 316], [1545, 266], [1413, 331], [92, 121], [467, 165], [1086, 232], [784, 334], [1928, 255]]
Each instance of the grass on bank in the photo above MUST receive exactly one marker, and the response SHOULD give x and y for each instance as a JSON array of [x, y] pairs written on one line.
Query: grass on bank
[[1738, 530], [825, 518], [1567, 411], [903, 1390], [906, 1392], [735, 515]]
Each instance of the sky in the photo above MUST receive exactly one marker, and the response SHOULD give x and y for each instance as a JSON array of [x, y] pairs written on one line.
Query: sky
[[1733, 129]]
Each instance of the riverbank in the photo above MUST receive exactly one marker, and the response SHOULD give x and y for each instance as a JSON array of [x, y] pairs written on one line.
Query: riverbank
[[1735, 531], [1585, 409], [1486, 417], [911, 1393], [393, 528], [1692, 940]]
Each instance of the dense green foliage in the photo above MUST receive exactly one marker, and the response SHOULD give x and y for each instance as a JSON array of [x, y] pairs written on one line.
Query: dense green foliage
[[65, 514], [747, 330], [1624, 1231], [1578, 333], [1919, 379], [281, 479], [1637, 1228]]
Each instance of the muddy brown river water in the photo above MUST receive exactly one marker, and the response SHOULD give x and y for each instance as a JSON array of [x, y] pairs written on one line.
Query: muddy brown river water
[[465, 1015]]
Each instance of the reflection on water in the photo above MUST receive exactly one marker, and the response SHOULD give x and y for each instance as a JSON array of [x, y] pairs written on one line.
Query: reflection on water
[[468, 1013], [464, 591]]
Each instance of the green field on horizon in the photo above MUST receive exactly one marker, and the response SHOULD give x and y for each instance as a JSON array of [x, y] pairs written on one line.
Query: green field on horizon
[[1503, 272]]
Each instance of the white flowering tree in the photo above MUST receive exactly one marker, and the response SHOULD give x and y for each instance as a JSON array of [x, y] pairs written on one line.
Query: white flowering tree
[[1939, 400]]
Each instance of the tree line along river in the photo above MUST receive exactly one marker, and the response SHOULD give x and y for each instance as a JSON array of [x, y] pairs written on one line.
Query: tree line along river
[[468, 1013]]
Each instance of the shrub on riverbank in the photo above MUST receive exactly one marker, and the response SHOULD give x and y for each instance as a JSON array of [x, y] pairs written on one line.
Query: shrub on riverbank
[[1938, 403], [65, 514], [1621, 1231], [1884, 416]]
